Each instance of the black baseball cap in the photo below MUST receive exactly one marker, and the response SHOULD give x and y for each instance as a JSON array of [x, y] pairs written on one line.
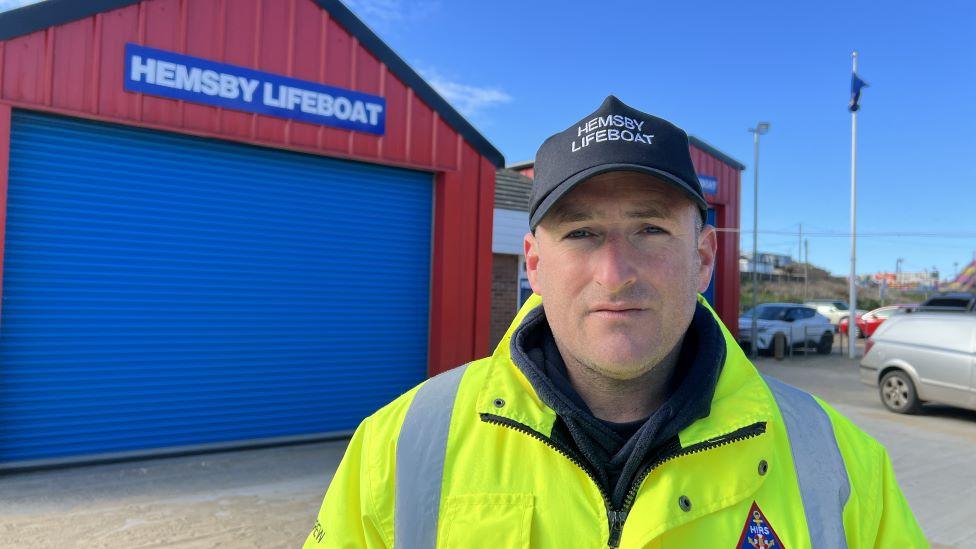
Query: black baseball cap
[[616, 137]]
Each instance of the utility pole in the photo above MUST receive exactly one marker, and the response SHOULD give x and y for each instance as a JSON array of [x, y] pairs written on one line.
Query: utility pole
[[799, 245], [806, 265]]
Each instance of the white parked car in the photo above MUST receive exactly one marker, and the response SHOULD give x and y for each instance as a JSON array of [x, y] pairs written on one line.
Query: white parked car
[[797, 325], [923, 356], [833, 309]]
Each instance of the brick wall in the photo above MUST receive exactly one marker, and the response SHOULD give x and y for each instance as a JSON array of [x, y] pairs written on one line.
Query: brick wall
[[504, 295]]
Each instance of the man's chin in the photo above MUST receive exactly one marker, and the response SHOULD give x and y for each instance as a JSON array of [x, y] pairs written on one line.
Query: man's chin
[[622, 365], [621, 371]]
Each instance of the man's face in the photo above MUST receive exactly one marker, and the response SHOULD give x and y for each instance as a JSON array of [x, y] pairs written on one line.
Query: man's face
[[618, 264]]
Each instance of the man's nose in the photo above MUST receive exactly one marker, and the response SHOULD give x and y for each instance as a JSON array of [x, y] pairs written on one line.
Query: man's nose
[[614, 269]]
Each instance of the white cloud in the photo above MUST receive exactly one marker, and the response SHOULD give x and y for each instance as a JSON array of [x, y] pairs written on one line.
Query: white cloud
[[395, 16], [467, 99], [390, 15]]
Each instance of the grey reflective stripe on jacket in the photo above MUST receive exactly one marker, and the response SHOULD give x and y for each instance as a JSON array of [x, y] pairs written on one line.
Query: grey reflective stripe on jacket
[[420, 452], [422, 445], [820, 469]]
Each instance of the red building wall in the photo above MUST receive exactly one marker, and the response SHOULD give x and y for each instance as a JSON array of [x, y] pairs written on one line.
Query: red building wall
[[726, 206], [76, 69]]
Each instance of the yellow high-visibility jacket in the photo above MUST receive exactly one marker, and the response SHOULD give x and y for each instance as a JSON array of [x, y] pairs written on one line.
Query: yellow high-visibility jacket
[[465, 460]]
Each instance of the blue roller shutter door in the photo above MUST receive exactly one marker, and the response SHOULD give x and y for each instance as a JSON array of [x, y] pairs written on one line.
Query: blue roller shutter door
[[162, 291]]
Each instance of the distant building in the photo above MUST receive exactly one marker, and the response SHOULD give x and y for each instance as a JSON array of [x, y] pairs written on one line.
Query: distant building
[[908, 280], [767, 263]]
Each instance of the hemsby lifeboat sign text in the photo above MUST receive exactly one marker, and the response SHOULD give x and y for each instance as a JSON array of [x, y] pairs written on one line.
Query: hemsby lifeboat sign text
[[177, 76]]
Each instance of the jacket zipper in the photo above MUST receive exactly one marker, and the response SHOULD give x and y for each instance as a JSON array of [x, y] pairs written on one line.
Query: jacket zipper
[[617, 517]]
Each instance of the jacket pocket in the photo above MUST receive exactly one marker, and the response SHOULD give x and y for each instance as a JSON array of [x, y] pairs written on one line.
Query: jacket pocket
[[487, 520]]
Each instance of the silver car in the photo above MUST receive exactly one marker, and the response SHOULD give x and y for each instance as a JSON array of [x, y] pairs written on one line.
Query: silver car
[[921, 357], [794, 324]]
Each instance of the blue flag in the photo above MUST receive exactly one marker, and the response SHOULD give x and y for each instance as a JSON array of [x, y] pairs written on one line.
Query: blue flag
[[856, 85]]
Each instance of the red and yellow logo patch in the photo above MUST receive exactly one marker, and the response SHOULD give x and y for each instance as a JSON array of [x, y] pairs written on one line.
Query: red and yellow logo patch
[[757, 532]]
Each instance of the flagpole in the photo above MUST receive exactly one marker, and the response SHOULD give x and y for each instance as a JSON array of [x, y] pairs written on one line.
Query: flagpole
[[852, 312]]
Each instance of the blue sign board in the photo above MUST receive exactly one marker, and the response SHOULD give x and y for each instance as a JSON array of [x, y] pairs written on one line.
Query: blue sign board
[[177, 76], [709, 184]]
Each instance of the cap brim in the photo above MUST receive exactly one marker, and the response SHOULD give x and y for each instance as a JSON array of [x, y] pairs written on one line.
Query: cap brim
[[578, 178]]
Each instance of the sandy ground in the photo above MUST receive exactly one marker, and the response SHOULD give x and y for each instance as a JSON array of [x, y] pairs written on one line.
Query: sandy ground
[[268, 498]]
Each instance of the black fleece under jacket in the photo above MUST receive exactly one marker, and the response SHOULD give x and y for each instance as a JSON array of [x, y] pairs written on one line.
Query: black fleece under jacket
[[616, 452]]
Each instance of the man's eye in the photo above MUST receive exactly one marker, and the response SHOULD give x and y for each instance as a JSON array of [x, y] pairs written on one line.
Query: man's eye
[[651, 230], [579, 233]]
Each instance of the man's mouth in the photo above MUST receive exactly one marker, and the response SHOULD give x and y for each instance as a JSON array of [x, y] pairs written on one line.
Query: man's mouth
[[616, 311]]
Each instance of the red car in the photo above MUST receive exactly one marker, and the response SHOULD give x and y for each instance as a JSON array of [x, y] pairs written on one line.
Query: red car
[[869, 322]]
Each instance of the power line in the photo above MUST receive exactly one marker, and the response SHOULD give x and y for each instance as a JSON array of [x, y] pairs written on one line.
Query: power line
[[859, 234]]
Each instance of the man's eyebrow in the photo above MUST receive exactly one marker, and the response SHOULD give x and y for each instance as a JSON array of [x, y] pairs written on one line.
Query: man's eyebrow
[[644, 211], [640, 211], [572, 216]]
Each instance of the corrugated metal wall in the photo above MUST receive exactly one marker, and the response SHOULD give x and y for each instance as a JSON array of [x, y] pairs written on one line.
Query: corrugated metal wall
[[726, 211], [162, 290], [78, 66], [77, 69]]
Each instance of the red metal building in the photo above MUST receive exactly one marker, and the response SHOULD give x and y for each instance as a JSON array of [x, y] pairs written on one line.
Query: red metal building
[[64, 57], [72, 129]]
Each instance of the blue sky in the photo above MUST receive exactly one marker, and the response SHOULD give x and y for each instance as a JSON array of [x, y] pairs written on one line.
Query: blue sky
[[521, 71]]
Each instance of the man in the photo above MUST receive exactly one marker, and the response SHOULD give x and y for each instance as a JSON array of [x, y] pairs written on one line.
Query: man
[[618, 411]]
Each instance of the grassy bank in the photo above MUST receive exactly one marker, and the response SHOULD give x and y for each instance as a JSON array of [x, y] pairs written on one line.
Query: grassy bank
[[820, 285]]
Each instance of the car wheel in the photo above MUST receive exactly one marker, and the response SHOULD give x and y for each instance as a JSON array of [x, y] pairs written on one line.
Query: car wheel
[[898, 393], [826, 344], [778, 346]]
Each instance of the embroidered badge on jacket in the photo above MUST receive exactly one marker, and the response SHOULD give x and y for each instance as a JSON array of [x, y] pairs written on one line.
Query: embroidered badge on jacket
[[757, 532]]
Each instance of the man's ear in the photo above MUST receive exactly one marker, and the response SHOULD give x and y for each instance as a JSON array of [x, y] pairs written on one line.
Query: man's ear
[[530, 247], [707, 249]]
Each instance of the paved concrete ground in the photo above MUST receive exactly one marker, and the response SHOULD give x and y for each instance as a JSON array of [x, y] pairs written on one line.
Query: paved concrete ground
[[933, 453], [264, 498], [267, 498]]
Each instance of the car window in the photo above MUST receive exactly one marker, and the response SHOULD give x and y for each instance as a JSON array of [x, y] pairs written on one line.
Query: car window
[[884, 313], [947, 302], [769, 312], [807, 313], [841, 306]]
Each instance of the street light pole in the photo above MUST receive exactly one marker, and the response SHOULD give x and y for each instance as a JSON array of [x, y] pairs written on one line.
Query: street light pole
[[760, 129]]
